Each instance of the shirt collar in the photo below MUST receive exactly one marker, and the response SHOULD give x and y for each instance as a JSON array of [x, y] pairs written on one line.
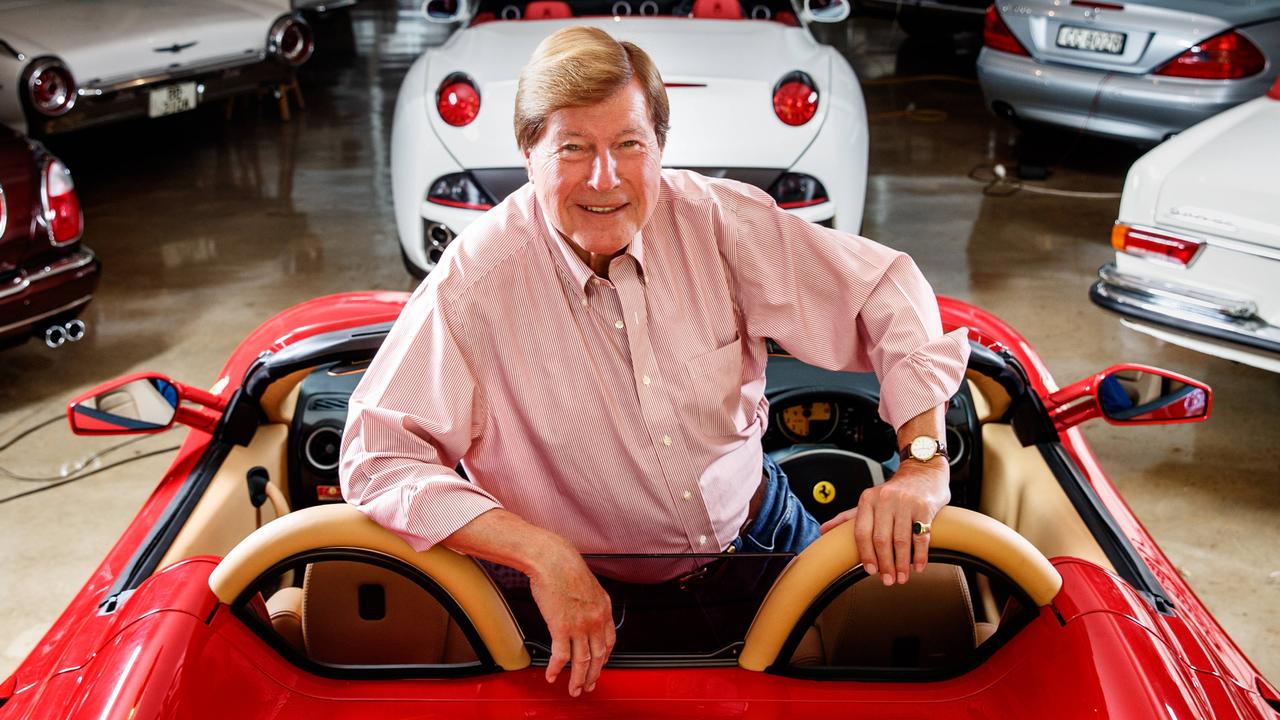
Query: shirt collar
[[579, 273]]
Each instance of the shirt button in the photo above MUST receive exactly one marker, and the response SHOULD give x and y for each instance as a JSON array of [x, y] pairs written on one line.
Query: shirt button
[[666, 440], [584, 302], [646, 380], [618, 324], [702, 539], [686, 495]]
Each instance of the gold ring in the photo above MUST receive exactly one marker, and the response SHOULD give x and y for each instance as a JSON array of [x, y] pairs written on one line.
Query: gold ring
[[920, 528]]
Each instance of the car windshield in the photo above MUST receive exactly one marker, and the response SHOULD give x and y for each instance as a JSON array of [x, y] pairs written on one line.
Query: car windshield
[[701, 611]]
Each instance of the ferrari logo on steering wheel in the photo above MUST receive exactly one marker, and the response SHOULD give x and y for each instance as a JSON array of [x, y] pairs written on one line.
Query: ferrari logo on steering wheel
[[824, 492]]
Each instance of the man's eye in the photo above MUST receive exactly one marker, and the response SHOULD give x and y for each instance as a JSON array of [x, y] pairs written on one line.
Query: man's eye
[[571, 148], [631, 143]]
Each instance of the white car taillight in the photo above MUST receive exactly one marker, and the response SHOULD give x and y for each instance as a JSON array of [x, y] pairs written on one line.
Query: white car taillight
[[290, 40], [1228, 56], [795, 99], [458, 100], [1156, 245], [61, 206], [51, 89]]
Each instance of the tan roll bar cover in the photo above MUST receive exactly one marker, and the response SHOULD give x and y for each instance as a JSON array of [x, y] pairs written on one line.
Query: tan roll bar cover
[[343, 526], [835, 553]]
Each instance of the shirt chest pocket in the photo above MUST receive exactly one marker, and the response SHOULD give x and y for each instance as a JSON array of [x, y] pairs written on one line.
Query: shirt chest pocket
[[713, 395]]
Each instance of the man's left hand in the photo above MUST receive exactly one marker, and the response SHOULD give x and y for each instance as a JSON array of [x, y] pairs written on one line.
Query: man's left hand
[[884, 515]]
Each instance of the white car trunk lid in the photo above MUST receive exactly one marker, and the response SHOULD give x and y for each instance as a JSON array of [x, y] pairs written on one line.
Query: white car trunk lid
[[720, 77], [1210, 193], [106, 41]]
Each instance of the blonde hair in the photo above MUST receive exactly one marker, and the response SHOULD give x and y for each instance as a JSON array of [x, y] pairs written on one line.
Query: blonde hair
[[580, 66]]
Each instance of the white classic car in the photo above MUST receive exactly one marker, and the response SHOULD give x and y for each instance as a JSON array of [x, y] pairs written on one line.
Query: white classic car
[[68, 64], [1198, 238], [753, 97]]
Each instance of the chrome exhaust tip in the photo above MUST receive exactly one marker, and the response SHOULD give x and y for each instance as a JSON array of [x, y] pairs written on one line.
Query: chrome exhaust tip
[[76, 330], [55, 336]]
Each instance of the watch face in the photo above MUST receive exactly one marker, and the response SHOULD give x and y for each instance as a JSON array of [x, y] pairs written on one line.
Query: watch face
[[924, 448]]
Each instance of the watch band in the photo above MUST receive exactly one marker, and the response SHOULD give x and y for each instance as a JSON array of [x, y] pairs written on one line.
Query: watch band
[[904, 453]]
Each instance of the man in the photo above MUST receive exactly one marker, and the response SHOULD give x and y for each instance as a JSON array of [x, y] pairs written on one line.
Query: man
[[592, 351]]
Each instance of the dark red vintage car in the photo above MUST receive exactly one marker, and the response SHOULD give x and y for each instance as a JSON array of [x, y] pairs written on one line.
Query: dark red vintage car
[[245, 587], [47, 276]]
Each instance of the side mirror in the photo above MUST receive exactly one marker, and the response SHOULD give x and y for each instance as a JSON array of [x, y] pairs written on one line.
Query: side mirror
[[140, 403], [445, 11], [1131, 395], [825, 11]]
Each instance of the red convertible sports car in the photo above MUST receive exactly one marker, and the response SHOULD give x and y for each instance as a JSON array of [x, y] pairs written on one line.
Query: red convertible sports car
[[245, 587]]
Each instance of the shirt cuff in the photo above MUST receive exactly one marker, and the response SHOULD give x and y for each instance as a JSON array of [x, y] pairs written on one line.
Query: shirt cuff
[[426, 512], [924, 379]]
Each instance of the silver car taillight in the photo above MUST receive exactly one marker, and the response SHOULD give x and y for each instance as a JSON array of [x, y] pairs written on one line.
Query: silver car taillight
[[291, 40], [51, 89], [4, 212], [61, 207]]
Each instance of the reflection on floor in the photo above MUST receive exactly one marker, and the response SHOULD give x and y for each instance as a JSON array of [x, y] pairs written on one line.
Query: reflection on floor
[[206, 227]]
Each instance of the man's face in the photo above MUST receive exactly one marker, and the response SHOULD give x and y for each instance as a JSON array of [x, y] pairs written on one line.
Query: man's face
[[596, 170]]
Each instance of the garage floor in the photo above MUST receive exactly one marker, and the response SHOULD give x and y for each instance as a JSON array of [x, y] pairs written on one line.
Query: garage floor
[[206, 227]]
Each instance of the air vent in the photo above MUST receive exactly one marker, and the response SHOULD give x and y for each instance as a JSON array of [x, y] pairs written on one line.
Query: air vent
[[329, 403], [321, 448]]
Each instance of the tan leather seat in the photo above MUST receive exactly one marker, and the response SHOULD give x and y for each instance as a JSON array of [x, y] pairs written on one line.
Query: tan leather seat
[[360, 614], [924, 623]]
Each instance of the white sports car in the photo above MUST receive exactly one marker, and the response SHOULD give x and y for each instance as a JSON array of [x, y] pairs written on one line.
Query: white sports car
[[68, 64], [1198, 238], [753, 97]]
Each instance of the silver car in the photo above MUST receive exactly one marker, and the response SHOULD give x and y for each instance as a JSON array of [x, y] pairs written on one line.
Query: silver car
[[1134, 71]]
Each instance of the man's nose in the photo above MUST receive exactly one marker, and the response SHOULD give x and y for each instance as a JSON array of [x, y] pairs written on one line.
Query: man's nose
[[604, 172]]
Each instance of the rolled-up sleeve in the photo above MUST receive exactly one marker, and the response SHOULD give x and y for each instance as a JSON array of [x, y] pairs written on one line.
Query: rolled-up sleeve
[[414, 415], [843, 302]]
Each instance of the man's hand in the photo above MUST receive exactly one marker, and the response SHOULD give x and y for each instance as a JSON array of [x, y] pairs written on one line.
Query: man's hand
[[577, 610], [578, 614], [882, 520]]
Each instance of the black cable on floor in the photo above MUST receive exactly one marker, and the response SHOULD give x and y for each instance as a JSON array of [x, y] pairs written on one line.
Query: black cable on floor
[[30, 430], [95, 471]]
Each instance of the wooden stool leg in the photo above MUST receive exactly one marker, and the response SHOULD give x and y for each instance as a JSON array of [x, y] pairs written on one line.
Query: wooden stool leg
[[297, 94], [282, 97]]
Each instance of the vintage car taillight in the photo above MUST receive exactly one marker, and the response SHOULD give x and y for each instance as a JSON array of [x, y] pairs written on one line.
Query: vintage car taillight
[[459, 190], [796, 190], [795, 98], [51, 89], [291, 40], [1156, 245], [1223, 57], [458, 100], [61, 207], [997, 35], [4, 212]]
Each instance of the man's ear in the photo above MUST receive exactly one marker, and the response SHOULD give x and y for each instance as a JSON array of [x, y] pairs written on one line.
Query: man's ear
[[528, 168]]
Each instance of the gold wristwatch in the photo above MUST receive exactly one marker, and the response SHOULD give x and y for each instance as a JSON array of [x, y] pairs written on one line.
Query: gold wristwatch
[[923, 449]]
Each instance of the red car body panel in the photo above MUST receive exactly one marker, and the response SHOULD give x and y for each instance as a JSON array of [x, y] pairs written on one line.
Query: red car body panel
[[1099, 650]]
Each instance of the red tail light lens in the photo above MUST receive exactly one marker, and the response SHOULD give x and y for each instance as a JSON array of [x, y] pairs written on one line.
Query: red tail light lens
[[997, 35], [795, 99], [1224, 57], [795, 190], [460, 191], [291, 40], [50, 88], [1156, 245], [1274, 93], [61, 206], [458, 100]]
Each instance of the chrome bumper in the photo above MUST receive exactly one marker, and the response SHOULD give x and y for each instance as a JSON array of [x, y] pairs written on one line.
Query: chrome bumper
[[1184, 308]]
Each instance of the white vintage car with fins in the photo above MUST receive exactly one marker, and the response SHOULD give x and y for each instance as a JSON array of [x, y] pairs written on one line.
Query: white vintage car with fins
[[69, 64], [753, 96]]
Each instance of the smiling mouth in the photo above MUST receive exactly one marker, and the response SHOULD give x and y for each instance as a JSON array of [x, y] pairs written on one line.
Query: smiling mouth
[[603, 209]]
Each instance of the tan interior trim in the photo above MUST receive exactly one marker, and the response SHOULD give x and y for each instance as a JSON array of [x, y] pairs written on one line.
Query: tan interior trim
[[281, 397], [835, 553], [994, 401], [278, 503], [342, 526], [224, 515], [1020, 490]]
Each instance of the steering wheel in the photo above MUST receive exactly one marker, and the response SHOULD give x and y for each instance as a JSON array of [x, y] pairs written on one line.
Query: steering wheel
[[342, 526], [835, 554]]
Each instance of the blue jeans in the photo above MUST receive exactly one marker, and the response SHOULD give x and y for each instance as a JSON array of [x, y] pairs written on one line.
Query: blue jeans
[[783, 525]]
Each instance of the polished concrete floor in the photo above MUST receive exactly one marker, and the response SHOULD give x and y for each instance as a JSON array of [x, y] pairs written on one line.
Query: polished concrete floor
[[206, 227]]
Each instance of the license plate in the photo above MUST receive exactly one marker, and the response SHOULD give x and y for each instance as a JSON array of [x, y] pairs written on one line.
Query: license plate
[[172, 99], [1099, 41]]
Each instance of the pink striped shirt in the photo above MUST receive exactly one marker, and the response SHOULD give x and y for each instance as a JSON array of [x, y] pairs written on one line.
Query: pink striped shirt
[[626, 414]]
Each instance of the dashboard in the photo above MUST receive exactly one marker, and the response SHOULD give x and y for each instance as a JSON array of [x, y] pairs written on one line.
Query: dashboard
[[811, 409]]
